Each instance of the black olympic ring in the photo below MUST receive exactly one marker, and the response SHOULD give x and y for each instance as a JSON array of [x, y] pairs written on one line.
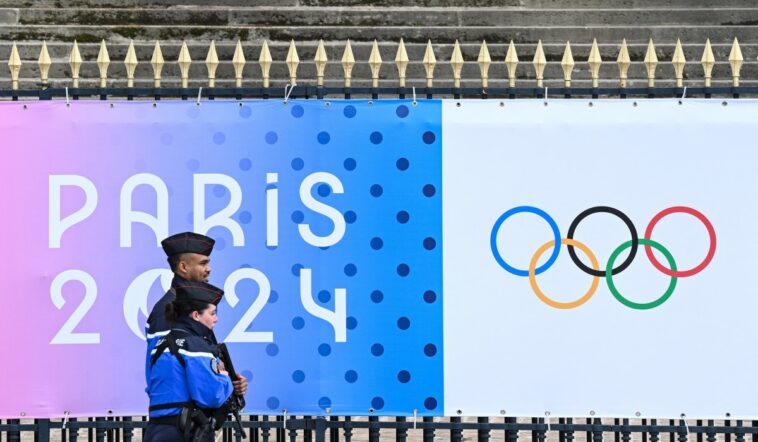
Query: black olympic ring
[[629, 225]]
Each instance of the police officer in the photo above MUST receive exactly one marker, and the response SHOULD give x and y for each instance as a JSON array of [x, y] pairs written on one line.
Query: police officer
[[187, 384]]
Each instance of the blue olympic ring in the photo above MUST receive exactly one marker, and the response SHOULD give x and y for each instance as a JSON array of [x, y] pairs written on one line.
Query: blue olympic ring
[[541, 214]]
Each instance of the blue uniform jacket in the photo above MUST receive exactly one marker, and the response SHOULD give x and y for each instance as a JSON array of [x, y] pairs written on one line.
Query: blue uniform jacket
[[199, 381]]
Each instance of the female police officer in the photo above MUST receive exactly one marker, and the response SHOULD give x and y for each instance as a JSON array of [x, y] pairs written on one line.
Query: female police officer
[[187, 383]]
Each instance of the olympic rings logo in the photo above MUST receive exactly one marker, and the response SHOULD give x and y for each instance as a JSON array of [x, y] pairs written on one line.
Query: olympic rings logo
[[594, 269]]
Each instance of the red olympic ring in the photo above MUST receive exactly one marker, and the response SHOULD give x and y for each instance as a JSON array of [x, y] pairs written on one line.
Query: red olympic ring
[[711, 236]]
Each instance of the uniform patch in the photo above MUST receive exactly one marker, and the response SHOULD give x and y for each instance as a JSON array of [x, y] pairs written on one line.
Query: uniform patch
[[214, 366], [180, 342]]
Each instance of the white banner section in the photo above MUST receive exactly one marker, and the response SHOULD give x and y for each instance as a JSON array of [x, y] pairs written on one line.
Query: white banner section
[[647, 307]]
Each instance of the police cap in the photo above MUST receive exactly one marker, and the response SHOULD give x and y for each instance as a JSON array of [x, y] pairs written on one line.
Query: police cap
[[198, 291], [188, 242]]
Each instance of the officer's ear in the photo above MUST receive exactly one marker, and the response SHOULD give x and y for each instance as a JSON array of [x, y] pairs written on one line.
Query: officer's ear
[[195, 315]]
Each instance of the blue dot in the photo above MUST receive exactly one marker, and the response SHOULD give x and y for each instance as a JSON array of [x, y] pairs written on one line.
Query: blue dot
[[377, 349], [402, 111], [430, 350], [402, 164], [298, 323], [324, 296], [351, 323], [245, 164], [247, 374], [273, 296], [350, 217], [430, 243], [430, 296], [271, 137], [403, 217], [297, 217], [404, 376], [403, 270], [272, 403], [429, 137], [377, 403], [323, 137], [351, 376], [219, 191], [349, 164], [298, 376], [297, 111], [324, 190], [193, 165], [296, 269], [376, 243], [376, 190], [220, 244], [430, 403], [403, 323], [351, 270], [324, 349], [167, 139], [219, 138], [272, 349], [349, 111], [376, 137], [429, 190], [324, 403], [245, 217], [377, 296], [298, 163], [245, 112]]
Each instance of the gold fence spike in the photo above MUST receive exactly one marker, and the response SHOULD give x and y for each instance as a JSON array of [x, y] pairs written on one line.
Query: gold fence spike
[[184, 62], [401, 61], [539, 63], [567, 64], [211, 63], [130, 62], [651, 61], [456, 62], [265, 61], [678, 61], [348, 61], [484, 61], [103, 60], [375, 63], [44, 62], [708, 61], [511, 62], [735, 61], [156, 61], [595, 61], [238, 61], [623, 61], [429, 62], [75, 62], [14, 64], [320, 60], [292, 61]]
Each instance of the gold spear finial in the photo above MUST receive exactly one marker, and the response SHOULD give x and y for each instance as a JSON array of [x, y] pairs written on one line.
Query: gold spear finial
[[130, 62], [211, 63], [265, 61], [429, 62], [44, 62], [456, 62], [651, 61], [292, 61], [623, 62], [320, 60], [348, 61], [401, 61], [484, 61], [735, 61], [184, 63], [103, 60], [156, 61], [238, 61], [375, 63], [595, 61], [678, 61], [75, 62], [539, 63], [567, 64], [14, 64], [708, 61], [511, 62]]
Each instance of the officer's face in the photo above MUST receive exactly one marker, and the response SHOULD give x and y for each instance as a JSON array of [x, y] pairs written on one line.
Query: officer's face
[[195, 267], [208, 317]]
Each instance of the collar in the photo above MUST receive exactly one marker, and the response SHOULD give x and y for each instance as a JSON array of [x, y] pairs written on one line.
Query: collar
[[194, 327], [177, 280]]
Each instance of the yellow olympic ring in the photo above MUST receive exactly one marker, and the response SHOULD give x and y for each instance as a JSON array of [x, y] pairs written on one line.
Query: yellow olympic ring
[[533, 279]]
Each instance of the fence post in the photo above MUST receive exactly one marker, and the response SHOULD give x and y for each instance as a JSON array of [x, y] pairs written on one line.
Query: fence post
[[373, 429], [483, 433], [428, 432], [456, 434], [43, 430], [320, 429]]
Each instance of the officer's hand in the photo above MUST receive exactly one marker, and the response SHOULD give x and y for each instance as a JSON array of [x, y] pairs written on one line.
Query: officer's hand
[[240, 385], [222, 368]]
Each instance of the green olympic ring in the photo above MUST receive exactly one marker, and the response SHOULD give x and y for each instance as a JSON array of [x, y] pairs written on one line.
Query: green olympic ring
[[619, 296]]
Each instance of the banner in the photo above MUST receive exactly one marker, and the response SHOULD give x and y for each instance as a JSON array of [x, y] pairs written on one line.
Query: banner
[[474, 257]]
